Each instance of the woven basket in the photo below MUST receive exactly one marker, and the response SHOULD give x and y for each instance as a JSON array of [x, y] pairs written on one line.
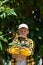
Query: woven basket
[[19, 52]]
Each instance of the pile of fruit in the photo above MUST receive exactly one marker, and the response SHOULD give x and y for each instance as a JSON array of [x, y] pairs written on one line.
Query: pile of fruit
[[14, 50]]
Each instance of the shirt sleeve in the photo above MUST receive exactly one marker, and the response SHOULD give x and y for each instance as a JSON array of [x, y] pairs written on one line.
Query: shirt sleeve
[[30, 44], [31, 47]]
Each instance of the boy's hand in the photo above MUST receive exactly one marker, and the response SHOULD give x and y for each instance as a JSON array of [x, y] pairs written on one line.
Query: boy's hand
[[22, 36]]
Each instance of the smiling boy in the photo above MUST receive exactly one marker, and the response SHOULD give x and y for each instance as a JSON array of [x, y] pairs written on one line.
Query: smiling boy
[[23, 31]]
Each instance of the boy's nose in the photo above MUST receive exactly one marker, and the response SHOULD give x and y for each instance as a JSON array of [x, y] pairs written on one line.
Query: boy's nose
[[22, 32]]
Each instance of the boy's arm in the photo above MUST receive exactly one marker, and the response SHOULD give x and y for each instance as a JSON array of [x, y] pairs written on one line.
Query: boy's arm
[[30, 45]]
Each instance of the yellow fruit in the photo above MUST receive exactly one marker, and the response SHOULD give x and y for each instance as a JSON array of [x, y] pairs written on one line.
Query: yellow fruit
[[14, 50], [25, 52], [17, 48], [22, 51]]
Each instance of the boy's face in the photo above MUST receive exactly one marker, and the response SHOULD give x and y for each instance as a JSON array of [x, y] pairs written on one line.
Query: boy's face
[[23, 31]]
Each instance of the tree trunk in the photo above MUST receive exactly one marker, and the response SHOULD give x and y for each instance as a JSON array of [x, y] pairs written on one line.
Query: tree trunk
[[27, 8]]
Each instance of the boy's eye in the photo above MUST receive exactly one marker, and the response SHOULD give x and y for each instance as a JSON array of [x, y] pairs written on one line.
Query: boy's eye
[[21, 31]]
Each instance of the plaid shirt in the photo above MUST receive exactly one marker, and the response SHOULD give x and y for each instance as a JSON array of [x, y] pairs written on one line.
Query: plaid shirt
[[29, 59]]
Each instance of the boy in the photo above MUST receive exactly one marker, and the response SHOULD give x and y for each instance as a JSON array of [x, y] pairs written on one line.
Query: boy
[[23, 30]]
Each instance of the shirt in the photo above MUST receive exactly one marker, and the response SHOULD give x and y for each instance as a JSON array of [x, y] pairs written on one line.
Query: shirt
[[29, 60]]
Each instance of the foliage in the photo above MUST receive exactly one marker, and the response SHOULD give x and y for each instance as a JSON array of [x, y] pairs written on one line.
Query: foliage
[[14, 12]]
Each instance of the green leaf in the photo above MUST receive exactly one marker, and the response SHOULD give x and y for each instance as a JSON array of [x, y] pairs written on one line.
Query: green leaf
[[0, 46], [10, 44], [2, 9], [11, 12], [1, 37], [19, 44], [5, 40], [14, 43], [0, 3], [3, 2], [0, 32], [3, 15]]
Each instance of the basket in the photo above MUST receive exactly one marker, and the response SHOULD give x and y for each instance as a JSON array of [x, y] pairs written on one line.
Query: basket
[[19, 52]]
